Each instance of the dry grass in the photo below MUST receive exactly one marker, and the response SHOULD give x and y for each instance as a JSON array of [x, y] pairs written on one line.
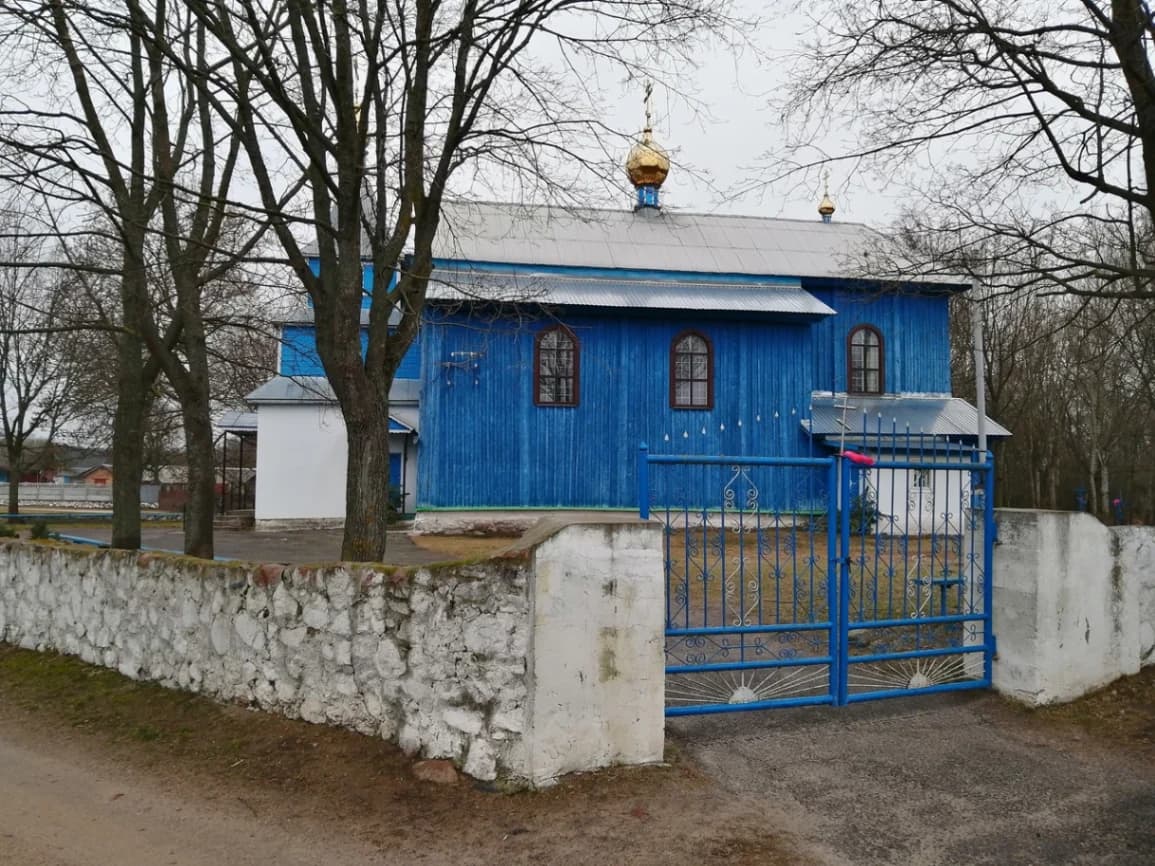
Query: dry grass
[[780, 575], [360, 787], [1123, 712], [455, 547]]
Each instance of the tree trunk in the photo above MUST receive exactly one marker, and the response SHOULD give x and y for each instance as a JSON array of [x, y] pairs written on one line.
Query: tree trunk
[[128, 442], [191, 382], [201, 506], [367, 482], [14, 473], [1108, 515]]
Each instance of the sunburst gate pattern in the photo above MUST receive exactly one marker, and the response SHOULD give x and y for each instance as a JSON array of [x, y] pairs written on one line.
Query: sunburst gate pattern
[[741, 688], [779, 595], [912, 674]]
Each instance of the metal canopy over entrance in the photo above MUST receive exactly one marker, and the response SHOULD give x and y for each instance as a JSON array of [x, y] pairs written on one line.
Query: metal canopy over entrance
[[824, 580]]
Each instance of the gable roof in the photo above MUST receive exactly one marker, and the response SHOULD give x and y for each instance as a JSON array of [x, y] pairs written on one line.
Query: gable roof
[[85, 471], [667, 240]]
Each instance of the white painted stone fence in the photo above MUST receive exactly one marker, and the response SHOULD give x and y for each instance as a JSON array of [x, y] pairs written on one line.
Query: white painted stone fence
[[544, 661], [1074, 604]]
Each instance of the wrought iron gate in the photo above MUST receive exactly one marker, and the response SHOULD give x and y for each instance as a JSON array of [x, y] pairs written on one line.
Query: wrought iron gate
[[825, 580]]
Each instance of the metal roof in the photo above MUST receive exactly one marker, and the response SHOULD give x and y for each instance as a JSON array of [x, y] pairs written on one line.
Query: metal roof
[[316, 389], [768, 296], [403, 420], [925, 415], [306, 316], [667, 240], [236, 421]]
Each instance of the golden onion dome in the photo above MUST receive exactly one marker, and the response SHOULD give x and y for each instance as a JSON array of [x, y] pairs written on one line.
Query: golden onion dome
[[826, 206], [647, 163]]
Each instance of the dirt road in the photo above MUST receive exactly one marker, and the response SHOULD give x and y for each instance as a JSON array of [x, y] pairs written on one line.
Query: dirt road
[[97, 770], [64, 809]]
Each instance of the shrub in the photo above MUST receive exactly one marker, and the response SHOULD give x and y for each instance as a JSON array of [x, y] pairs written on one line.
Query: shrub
[[863, 513], [40, 531], [396, 505]]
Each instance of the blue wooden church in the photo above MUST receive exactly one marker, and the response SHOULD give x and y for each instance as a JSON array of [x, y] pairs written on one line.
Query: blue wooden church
[[556, 340]]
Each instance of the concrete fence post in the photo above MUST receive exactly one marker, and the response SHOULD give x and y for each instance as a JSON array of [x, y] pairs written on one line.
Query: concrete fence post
[[1071, 607], [596, 661]]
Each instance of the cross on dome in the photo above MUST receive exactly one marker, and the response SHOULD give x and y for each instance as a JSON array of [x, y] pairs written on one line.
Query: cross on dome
[[648, 164]]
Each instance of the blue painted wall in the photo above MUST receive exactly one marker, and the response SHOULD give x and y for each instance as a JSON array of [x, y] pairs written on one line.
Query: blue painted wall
[[915, 331], [485, 443], [299, 353], [366, 282]]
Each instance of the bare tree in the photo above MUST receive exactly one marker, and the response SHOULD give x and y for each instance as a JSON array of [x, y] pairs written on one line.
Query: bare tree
[[107, 124], [35, 392], [240, 347], [1030, 123], [377, 107]]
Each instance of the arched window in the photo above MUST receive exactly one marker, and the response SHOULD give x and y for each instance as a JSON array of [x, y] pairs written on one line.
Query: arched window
[[691, 372], [555, 367], [864, 361]]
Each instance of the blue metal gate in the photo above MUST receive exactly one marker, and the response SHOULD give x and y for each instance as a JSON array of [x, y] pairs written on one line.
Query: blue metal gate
[[825, 580]]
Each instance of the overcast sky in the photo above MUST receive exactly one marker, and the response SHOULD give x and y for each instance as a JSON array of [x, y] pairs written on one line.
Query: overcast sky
[[731, 147]]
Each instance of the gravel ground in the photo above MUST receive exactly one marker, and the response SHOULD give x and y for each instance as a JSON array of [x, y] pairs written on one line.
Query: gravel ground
[[948, 779]]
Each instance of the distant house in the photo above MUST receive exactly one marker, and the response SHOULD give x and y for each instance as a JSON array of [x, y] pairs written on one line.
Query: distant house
[[99, 475]]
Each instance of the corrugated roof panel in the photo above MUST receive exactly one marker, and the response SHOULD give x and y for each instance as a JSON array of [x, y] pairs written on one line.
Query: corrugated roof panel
[[784, 297], [316, 389], [237, 422], [647, 240], [930, 416]]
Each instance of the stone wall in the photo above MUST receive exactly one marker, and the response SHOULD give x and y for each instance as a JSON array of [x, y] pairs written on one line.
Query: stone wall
[[1074, 603], [470, 662]]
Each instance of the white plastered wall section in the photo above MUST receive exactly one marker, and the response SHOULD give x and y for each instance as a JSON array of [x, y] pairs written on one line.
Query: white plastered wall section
[[301, 461], [1073, 604], [597, 655], [921, 502]]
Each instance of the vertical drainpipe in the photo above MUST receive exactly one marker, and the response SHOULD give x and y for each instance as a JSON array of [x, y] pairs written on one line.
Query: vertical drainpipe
[[404, 485]]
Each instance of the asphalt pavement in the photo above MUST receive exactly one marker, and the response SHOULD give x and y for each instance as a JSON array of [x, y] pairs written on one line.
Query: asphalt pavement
[[931, 781]]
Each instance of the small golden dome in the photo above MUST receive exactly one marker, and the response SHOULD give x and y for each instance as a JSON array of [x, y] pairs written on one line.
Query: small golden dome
[[826, 206], [648, 163]]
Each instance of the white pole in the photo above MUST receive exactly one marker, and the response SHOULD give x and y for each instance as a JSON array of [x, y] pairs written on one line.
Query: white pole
[[980, 366]]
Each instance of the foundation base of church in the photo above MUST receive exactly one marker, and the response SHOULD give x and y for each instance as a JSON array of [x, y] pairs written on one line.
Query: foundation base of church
[[511, 523]]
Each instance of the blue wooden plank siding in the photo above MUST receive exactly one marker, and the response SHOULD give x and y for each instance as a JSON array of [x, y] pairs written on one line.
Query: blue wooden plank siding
[[366, 282], [299, 353], [484, 443], [914, 329]]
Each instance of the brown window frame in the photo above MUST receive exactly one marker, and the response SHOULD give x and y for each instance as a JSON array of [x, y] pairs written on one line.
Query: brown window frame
[[674, 404], [576, 372], [864, 391]]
